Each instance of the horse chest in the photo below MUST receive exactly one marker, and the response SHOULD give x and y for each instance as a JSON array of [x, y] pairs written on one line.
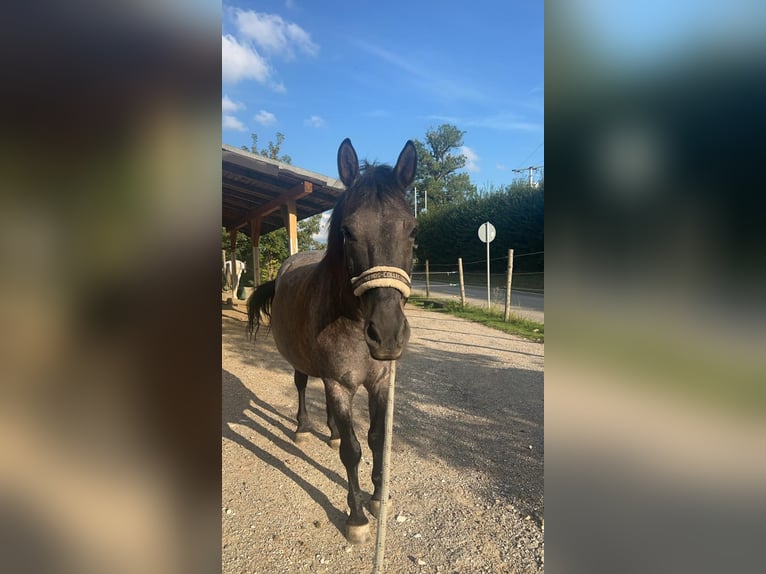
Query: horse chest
[[342, 354]]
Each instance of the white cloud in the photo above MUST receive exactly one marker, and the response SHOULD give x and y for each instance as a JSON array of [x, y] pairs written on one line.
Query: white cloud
[[502, 122], [501, 167], [424, 76], [229, 106], [315, 122], [232, 123], [265, 118], [274, 34], [241, 61], [471, 158]]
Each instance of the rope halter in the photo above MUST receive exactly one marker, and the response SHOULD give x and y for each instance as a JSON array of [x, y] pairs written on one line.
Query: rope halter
[[382, 276]]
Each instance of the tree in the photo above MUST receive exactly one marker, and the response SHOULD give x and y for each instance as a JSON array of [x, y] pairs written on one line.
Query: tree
[[307, 229], [272, 149], [438, 164]]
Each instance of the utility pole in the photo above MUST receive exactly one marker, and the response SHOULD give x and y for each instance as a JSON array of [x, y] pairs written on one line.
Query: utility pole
[[416, 202], [531, 169]]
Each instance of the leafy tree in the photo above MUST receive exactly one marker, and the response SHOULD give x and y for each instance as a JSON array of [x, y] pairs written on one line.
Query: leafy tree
[[307, 228], [439, 159], [271, 150]]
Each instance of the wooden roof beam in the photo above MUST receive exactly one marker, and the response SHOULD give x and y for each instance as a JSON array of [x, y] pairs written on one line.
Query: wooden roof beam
[[299, 191]]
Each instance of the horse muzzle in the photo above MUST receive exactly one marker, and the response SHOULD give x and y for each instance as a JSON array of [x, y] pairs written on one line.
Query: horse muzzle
[[386, 330]]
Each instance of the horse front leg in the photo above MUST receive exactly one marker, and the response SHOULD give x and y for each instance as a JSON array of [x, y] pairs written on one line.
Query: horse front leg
[[378, 403], [303, 431], [339, 403]]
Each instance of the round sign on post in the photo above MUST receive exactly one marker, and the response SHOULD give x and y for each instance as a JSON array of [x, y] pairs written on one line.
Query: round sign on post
[[487, 235], [487, 232]]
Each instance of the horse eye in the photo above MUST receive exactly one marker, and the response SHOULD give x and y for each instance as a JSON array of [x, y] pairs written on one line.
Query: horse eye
[[414, 233], [347, 233]]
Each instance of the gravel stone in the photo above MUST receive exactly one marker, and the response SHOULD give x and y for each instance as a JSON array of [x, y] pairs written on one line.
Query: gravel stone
[[469, 404]]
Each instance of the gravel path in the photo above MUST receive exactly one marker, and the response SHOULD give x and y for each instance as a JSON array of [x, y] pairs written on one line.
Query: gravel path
[[466, 463]]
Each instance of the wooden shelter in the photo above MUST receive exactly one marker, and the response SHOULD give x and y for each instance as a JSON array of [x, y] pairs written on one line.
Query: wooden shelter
[[261, 195]]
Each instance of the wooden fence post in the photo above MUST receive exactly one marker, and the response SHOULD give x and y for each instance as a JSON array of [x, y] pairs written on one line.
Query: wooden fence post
[[462, 282], [428, 282], [507, 316], [233, 270]]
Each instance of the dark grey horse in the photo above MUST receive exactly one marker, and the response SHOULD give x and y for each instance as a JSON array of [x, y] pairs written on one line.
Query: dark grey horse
[[338, 315]]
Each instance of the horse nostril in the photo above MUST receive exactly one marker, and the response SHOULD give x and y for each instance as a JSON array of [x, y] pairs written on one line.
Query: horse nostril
[[372, 333]]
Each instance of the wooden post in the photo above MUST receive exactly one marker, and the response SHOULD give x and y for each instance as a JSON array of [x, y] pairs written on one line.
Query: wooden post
[[428, 282], [255, 234], [233, 268], [290, 217], [507, 316], [462, 282]]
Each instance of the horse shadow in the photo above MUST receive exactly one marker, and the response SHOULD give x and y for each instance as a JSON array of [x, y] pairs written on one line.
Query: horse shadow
[[243, 407]]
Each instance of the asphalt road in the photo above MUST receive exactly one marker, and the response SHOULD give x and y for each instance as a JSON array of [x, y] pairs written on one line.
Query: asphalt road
[[525, 304]]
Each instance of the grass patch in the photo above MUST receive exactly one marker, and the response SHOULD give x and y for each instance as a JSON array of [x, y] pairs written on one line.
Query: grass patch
[[516, 326]]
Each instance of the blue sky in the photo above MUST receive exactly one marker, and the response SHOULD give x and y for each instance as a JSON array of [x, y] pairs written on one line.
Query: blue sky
[[384, 72]]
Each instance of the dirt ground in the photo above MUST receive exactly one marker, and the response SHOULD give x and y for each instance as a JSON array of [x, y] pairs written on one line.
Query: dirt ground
[[466, 462]]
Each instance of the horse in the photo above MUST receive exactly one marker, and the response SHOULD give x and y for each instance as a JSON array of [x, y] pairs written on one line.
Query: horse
[[239, 267], [338, 314]]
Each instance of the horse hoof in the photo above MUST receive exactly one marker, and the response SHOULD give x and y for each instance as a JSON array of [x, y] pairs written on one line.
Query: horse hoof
[[334, 443], [375, 508], [302, 437], [358, 533]]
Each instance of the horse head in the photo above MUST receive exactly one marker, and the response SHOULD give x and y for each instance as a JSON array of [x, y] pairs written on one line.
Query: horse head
[[378, 232]]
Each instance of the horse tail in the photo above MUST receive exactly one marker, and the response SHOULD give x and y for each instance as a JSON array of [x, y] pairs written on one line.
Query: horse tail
[[258, 305]]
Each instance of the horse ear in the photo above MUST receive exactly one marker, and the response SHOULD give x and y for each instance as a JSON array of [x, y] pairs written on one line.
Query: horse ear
[[407, 165], [348, 163]]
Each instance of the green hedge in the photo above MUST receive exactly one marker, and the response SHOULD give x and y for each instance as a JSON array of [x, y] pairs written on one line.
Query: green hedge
[[451, 231]]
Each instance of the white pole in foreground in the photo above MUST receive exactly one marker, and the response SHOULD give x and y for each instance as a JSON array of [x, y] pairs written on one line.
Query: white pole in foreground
[[486, 231], [380, 541]]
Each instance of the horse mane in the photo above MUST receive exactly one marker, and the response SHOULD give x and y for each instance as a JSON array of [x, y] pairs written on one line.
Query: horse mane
[[375, 183]]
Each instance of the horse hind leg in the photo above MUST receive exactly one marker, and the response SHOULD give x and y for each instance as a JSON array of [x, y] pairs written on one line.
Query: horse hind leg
[[334, 440], [303, 431]]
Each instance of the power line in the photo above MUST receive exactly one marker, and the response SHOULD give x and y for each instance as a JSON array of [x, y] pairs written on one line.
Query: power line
[[533, 151], [531, 168]]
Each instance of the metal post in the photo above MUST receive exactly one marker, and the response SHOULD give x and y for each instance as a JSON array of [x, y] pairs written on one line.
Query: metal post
[[416, 202], [486, 234], [380, 541], [507, 316], [462, 282]]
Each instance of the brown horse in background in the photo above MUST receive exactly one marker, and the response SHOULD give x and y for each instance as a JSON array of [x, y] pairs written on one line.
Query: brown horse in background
[[338, 315]]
